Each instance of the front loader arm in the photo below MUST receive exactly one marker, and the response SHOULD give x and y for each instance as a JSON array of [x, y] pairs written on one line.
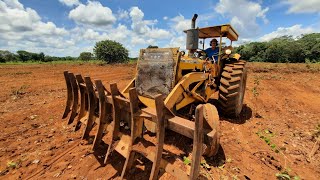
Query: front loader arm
[[181, 96]]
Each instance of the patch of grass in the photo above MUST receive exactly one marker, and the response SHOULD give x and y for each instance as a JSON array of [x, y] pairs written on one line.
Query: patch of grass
[[316, 132], [266, 136], [21, 73], [285, 175], [19, 92], [287, 68], [186, 160], [133, 60], [13, 164]]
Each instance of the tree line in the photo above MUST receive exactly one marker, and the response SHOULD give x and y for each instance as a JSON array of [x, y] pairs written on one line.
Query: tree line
[[285, 49], [25, 56], [108, 51]]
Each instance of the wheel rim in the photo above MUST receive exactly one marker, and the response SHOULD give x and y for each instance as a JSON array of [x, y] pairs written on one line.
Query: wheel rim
[[211, 117]]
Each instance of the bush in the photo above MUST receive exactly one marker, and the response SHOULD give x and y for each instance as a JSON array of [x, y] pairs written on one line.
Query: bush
[[85, 56], [111, 52]]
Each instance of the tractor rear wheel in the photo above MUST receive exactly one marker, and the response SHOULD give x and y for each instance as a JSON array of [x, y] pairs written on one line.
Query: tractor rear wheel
[[232, 88]]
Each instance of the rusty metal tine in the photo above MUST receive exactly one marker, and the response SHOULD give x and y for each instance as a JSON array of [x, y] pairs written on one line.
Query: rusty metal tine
[[91, 108], [116, 119], [136, 129], [83, 101], [105, 89], [128, 163], [197, 143], [104, 109], [136, 123], [75, 93], [160, 137], [69, 95]]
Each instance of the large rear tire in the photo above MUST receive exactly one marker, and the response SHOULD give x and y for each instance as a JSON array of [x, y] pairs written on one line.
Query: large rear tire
[[232, 88]]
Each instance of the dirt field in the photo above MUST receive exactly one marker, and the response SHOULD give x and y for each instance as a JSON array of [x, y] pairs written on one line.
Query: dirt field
[[276, 133]]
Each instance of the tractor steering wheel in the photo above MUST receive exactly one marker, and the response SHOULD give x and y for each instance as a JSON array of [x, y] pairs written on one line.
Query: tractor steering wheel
[[200, 54]]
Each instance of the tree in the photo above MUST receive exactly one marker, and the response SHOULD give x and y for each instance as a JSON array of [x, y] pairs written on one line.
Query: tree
[[7, 56], [151, 46], [24, 55], [85, 56], [41, 57], [111, 51]]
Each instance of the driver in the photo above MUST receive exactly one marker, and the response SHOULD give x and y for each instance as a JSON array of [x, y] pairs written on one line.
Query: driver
[[213, 51]]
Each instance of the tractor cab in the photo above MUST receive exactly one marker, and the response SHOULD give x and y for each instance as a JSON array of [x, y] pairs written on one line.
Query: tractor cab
[[198, 55], [219, 32]]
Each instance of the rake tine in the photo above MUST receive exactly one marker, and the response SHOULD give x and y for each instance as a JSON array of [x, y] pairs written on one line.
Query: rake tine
[[136, 129], [91, 107], [69, 95], [75, 97], [83, 101], [197, 143], [160, 137], [104, 110], [116, 120]]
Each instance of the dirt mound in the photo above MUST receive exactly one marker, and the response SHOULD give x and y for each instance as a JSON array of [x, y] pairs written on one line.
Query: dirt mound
[[275, 136]]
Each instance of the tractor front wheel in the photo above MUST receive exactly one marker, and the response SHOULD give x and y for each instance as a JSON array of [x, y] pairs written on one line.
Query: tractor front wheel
[[232, 88]]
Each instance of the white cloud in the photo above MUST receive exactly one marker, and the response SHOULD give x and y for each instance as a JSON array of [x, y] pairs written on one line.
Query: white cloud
[[139, 25], [179, 41], [15, 4], [305, 6], [70, 3], [25, 21], [136, 40], [295, 31], [243, 14], [159, 34], [122, 14], [179, 23], [144, 28], [92, 14], [23, 28]]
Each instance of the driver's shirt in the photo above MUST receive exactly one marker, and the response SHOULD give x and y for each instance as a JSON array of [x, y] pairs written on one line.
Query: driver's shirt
[[212, 52]]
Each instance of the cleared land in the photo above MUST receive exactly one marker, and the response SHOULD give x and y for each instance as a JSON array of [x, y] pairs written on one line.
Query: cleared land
[[277, 131]]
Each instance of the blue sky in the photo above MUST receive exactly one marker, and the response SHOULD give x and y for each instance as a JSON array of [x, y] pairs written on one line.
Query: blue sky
[[69, 27]]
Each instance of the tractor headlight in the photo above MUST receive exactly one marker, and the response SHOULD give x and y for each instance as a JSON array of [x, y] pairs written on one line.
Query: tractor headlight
[[228, 51]]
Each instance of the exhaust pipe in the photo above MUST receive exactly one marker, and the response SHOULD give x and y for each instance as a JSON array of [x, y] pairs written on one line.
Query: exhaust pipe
[[193, 21], [192, 35]]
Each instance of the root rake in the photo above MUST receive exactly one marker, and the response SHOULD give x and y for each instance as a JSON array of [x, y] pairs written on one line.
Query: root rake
[[108, 109]]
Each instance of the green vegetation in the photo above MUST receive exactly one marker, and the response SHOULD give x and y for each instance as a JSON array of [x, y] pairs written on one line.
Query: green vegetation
[[285, 49], [29, 57], [19, 92], [85, 56], [151, 46], [266, 136], [186, 160], [13, 164], [111, 52], [316, 132], [284, 175], [105, 52]]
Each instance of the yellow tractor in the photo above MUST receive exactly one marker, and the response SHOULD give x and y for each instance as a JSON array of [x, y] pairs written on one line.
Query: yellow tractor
[[170, 91]]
